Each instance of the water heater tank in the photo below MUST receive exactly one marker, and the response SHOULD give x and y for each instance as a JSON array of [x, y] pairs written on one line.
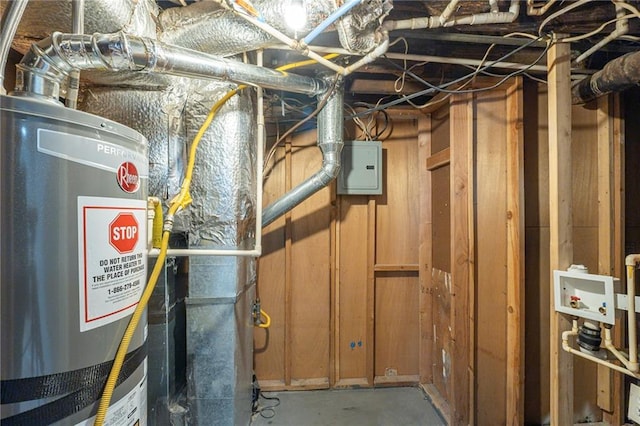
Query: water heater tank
[[72, 263]]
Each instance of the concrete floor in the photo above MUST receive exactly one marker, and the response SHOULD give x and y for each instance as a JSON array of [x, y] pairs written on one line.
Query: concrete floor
[[354, 407]]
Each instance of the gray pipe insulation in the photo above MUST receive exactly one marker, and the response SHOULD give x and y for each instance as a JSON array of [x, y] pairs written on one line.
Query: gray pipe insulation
[[619, 74]]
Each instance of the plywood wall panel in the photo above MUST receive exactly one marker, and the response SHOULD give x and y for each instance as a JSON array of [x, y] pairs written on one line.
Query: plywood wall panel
[[397, 210], [440, 129], [536, 357], [584, 152], [352, 289], [310, 292], [397, 330], [536, 167], [324, 333]]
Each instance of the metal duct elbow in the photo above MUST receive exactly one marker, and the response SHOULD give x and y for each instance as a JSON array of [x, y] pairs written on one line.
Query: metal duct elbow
[[619, 74], [330, 142], [48, 63]]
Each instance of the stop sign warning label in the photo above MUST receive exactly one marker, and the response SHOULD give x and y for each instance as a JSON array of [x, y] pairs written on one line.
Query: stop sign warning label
[[123, 232], [111, 258]]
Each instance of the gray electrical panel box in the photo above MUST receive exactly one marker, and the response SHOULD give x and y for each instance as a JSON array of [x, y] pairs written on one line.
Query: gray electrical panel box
[[361, 170]]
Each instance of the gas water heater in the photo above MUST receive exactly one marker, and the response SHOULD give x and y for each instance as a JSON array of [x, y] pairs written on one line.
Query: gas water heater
[[73, 190]]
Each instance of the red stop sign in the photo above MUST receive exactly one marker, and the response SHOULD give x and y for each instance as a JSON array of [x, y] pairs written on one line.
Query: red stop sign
[[124, 232]]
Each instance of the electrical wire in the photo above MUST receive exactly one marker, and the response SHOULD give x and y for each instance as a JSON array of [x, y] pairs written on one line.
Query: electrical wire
[[431, 90], [480, 89], [561, 12], [181, 201], [372, 121], [267, 408]]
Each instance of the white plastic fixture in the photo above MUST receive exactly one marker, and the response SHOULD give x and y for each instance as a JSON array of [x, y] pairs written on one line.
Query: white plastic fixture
[[585, 295]]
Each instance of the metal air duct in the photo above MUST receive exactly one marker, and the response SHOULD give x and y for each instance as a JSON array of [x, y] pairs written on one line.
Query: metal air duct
[[208, 27], [330, 142], [41, 18], [44, 68]]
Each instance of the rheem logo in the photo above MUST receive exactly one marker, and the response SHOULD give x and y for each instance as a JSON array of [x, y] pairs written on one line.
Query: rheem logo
[[124, 232], [128, 178]]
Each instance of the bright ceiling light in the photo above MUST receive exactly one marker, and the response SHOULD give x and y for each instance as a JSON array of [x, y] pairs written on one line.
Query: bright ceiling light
[[295, 15]]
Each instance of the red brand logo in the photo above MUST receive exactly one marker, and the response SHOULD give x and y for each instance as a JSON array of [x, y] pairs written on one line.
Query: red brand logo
[[123, 232], [128, 178]]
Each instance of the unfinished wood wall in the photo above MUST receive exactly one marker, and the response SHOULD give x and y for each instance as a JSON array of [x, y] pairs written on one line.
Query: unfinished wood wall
[[295, 278], [341, 274], [596, 229], [426, 283], [477, 256]]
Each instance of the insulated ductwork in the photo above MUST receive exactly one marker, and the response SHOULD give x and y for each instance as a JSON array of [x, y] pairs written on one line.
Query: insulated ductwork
[[330, 142], [223, 215], [158, 116], [44, 68], [206, 26], [359, 30], [137, 17], [619, 74]]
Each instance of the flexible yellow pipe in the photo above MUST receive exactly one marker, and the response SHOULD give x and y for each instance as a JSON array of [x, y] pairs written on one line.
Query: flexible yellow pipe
[[156, 240], [268, 320], [182, 200], [305, 63]]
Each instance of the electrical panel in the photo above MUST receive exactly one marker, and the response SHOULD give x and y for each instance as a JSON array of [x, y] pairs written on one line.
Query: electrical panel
[[361, 169]]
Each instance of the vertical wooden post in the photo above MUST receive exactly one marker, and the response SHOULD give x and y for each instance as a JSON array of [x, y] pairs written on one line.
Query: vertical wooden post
[[515, 256], [462, 256], [561, 222], [287, 268], [425, 247], [618, 241], [605, 227], [371, 289]]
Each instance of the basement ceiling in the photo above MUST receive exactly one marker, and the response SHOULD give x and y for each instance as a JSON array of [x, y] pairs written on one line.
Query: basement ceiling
[[444, 48], [419, 57]]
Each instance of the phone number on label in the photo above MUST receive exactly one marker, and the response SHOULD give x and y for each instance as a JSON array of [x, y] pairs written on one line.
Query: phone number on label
[[120, 288]]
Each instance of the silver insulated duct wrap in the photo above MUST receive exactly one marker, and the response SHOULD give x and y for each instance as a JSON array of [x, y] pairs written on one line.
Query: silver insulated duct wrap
[[223, 189], [41, 18], [358, 29], [158, 116], [221, 288], [207, 27]]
